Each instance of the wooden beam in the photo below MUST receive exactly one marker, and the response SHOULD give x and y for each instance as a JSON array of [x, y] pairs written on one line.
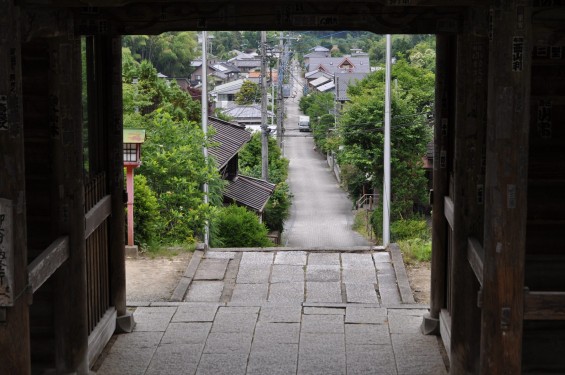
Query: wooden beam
[[448, 210], [506, 183], [14, 327], [49, 261], [544, 305], [475, 256], [97, 214]]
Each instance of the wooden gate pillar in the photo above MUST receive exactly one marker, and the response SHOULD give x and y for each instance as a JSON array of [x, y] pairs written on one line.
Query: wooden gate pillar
[[506, 187], [445, 45], [14, 309], [468, 198], [70, 305]]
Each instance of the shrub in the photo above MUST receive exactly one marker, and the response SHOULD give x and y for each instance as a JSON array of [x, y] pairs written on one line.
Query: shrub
[[277, 209], [416, 250], [408, 229], [146, 219], [235, 226]]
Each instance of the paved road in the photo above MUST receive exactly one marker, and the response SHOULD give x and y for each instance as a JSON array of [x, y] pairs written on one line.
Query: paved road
[[321, 214]]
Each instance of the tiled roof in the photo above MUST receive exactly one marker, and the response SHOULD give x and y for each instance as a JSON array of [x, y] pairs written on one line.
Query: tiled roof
[[251, 192], [326, 87], [232, 87], [244, 111], [319, 81], [343, 81], [228, 140], [332, 64]]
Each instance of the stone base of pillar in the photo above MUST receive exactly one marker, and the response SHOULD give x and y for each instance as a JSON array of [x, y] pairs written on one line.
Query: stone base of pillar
[[430, 326], [125, 323], [132, 251]]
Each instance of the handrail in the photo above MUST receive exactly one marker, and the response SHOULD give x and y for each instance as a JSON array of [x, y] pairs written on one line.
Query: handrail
[[448, 210], [97, 214], [476, 256], [540, 305], [363, 199], [45, 265]]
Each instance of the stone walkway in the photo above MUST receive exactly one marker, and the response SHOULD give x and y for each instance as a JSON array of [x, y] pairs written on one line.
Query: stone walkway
[[281, 312]]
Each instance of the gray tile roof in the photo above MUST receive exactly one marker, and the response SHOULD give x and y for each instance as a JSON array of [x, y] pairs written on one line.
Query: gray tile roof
[[229, 138], [343, 81], [332, 64], [251, 192]]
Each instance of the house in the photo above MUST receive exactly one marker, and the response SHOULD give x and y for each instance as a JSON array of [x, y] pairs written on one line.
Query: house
[[250, 192], [255, 77], [246, 115], [218, 72], [343, 81], [350, 63], [246, 62], [225, 94], [317, 51]]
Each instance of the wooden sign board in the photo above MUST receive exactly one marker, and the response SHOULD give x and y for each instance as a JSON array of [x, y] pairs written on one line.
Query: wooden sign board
[[6, 254]]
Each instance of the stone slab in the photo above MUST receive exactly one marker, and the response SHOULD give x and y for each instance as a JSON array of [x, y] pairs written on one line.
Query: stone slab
[[324, 311], [367, 334], [222, 364], [322, 354], [284, 273], [153, 318], [359, 275], [381, 257], [267, 334], [323, 292], [175, 359], [417, 354], [365, 315], [253, 273], [281, 314], [323, 273], [250, 293], [323, 259], [401, 323], [211, 269], [357, 261], [295, 258], [220, 255], [257, 258], [323, 324], [388, 290], [286, 293], [370, 359], [205, 291], [235, 320], [361, 293], [186, 333], [187, 313], [228, 343], [279, 359]]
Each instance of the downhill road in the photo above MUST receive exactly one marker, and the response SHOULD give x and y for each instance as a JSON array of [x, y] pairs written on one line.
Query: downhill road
[[321, 214]]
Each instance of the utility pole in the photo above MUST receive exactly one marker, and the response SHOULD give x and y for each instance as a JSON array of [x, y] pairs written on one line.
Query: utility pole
[[264, 127], [204, 101], [386, 179], [280, 106]]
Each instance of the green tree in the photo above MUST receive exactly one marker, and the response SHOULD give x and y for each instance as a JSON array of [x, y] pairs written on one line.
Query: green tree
[[318, 106], [147, 219], [249, 93]]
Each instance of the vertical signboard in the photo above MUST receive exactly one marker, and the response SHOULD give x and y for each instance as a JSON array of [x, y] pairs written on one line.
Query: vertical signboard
[[6, 254]]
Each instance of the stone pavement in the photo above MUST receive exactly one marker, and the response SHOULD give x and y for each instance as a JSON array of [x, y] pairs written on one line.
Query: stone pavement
[[281, 312]]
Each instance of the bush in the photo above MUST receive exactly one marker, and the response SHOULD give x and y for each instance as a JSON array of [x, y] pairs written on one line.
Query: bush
[[277, 209], [416, 250], [146, 219], [408, 229], [235, 226]]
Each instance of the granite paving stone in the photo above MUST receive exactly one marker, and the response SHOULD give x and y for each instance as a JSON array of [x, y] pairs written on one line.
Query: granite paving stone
[[359, 275], [385, 268], [228, 343], [323, 324], [388, 290], [286, 293], [323, 292], [276, 333], [208, 291], [357, 261], [323, 273], [235, 320], [250, 293], [130, 354], [153, 318], [367, 334], [220, 255], [361, 293], [186, 333], [400, 323], [211, 269], [222, 364], [281, 314], [381, 257], [279, 359], [324, 311], [254, 274], [365, 315], [284, 273], [256, 258], [195, 313], [417, 354], [370, 359], [323, 259], [321, 354], [295, 258], [175, 359]]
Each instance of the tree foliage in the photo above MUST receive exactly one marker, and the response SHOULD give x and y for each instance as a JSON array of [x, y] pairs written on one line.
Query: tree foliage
[[235, 226], [249, 93], [320, 106]]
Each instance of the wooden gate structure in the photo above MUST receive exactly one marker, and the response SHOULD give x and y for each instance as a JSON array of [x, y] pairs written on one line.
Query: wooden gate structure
[[498, 291]]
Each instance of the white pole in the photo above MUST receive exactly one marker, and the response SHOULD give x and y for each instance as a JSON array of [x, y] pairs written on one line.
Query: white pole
[[386, 179], [264, 127], [205, 123]]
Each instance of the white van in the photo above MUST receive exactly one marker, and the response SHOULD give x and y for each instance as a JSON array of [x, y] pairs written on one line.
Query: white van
[[304, 123]]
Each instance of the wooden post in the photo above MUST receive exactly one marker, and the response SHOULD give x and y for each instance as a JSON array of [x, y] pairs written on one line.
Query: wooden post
[[130, 190], [14, 318], [71, 323], [505, 188], [444, 77], [468, 176]]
